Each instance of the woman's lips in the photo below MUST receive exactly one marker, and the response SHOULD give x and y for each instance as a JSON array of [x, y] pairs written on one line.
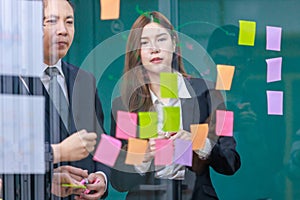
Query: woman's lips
[[156, 60]]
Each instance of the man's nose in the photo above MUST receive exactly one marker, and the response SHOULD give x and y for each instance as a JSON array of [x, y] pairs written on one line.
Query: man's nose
[[61, 29]]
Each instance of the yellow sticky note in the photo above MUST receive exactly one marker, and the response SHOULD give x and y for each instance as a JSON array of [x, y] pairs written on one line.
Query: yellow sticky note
[[199, 134], [148, 124], [168, 85], [171, 119], [224, 77], [247, 33], [136, 151], [110, 9]]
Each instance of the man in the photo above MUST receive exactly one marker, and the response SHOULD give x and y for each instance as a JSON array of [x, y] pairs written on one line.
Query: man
[[80, 92], [74, 137]]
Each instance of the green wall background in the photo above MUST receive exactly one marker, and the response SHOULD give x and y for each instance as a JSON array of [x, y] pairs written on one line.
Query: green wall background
[[264, 144]]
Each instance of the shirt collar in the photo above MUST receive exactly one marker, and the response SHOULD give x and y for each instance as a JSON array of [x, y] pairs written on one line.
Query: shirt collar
[[183, 92], [58, 65]]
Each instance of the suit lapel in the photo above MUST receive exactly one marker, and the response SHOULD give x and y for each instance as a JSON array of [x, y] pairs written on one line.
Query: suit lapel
[[70, 76], [190, 108]]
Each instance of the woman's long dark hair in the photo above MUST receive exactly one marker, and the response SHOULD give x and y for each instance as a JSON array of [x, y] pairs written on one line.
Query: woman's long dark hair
[[135, 91]]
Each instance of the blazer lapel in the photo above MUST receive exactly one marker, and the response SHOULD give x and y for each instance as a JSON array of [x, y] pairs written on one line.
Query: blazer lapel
[[190, 108]]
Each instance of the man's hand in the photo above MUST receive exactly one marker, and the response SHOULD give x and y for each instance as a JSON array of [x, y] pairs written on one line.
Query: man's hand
[[96, 187], [75, 147], [67, 175]]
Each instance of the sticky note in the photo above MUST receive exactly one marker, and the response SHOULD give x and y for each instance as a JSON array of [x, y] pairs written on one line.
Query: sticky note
[[273, 38], [224, 77], [148, 124], [199, 134], [183, 152], [274, 69], [126, 125], [171, 122], [136, 151], [247, 33], [73, 186], [164, 152], [224, 123], [110, 9], [168, 85], [108, 150], [275, 102]]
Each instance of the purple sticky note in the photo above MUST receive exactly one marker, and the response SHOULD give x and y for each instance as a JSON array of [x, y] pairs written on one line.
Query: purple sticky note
[[164, 152], [183, 153], [274, 69], [224, 126], [108, 150], [275, 102], [126, 125], [274, 38]]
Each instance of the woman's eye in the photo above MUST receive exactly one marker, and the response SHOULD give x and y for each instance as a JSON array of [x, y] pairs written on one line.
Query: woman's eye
[[144, 42], [162, 39]]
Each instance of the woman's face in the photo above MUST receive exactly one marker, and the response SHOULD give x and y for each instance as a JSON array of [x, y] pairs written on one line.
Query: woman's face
[[157, 48]]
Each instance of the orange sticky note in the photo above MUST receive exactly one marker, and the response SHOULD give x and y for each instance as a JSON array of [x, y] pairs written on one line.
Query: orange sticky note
[[199, 134], [136, 151], [224, 77], [110, 9]]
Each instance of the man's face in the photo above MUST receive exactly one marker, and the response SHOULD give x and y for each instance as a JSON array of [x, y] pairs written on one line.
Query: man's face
[[58, 30]]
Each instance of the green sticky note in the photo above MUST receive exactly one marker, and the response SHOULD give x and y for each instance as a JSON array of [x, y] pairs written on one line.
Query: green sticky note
[[74, 186], [168, 85], [148, 124], [247, 33], [171, 119]]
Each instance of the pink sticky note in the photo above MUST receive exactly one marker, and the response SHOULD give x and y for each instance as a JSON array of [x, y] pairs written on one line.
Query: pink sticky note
[[224, 126], [126, 125], [275, 102], [183, 153], [108, 150], [274, 69], [273, 38], [164, 152]]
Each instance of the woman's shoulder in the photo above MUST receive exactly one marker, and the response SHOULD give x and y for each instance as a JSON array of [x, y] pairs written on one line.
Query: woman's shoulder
[[199, 85]]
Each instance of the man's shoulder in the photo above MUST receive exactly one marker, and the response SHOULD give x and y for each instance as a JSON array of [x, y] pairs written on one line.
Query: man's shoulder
[[74, 70]]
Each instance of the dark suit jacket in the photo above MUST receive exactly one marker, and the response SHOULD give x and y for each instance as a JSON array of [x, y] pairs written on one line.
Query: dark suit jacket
[[85, 108], [196, 110]]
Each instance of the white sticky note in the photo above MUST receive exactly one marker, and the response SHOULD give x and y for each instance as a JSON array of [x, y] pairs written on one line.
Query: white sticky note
[[22, 134]]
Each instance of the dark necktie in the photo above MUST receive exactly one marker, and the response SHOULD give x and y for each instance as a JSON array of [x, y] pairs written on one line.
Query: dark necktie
[[57, 96]]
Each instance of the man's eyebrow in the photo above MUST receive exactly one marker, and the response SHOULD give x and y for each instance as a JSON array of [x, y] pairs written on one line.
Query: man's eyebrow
[[51, 16], [70, 17]]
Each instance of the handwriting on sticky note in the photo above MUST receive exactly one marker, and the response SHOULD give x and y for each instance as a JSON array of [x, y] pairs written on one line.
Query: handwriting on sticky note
[[108, 150], [275, 102], [168, 85], [199, 134], [136, 151], [273, 38], [183, 152], [247, 33], [148, 124], [224, 123], [110, 9], [171, 122], [224, 77], [126, 125], [164, 152]]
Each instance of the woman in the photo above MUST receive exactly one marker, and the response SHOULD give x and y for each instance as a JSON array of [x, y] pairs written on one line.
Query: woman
[[152, 48]]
